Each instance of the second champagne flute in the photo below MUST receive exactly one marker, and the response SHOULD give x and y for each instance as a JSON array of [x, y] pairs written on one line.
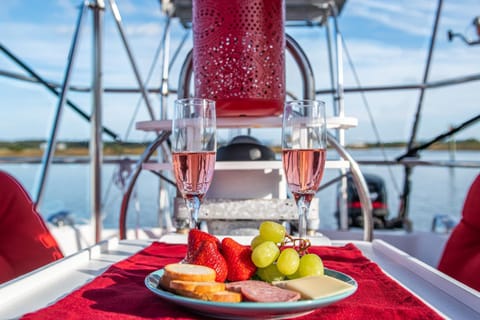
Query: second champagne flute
[[193, 150], [304, 145]]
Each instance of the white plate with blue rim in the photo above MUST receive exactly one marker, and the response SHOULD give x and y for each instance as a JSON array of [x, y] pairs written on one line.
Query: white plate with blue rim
[[253, 310]]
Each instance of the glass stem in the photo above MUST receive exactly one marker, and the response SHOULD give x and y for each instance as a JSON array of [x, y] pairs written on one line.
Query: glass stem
[[303, 207], [193, 206]]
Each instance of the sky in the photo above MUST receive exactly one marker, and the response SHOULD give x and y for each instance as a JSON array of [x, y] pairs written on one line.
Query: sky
[[387, 42]]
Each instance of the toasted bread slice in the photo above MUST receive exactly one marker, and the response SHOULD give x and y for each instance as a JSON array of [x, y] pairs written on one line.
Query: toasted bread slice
[[189, 272], [219, 296], [164, 282], [190, 294], [197, 286], [225, 296]]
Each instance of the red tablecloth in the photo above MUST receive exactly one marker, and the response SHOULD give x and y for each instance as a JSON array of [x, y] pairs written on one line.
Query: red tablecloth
[[120, 293]]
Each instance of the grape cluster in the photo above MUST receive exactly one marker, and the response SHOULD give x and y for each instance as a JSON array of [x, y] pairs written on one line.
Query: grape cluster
[[277, 255]]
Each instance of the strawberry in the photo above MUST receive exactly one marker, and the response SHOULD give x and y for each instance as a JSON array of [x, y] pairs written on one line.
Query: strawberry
[[208, 255], [195, 239], [240, 265]]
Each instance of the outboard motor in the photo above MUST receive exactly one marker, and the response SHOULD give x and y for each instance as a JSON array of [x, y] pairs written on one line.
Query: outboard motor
[[378, 196]]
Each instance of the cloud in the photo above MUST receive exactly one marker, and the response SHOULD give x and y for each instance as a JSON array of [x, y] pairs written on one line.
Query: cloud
[[406, 16], [387, 40], [145, 30]]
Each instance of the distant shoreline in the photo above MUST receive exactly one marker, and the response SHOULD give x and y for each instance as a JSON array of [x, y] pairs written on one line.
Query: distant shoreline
[[35, 148]]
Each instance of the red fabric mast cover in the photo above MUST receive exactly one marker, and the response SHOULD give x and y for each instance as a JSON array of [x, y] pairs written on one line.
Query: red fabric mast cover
[[239, 55], [461, 256], [25, 241]]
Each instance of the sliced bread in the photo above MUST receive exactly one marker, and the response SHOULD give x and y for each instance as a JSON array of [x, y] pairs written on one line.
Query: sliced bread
[[225, 296], [189, 272], [219, 296], [197, 286]]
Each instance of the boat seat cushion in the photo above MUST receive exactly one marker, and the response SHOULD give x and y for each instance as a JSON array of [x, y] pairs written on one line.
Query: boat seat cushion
[[25, 241], [461, 256]]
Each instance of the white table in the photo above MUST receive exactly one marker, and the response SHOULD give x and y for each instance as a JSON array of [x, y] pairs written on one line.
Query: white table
[[44, 286]]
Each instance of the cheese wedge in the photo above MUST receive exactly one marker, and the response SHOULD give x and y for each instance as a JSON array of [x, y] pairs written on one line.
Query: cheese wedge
[[315, 287]]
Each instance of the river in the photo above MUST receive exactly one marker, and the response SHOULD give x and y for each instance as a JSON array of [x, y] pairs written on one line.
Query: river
[[435, 190]]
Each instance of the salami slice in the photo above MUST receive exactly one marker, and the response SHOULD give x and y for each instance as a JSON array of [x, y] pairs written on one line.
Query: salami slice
[[259, 291], [238, 285]]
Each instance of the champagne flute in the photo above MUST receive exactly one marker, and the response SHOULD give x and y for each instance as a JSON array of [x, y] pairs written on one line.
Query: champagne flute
[[193, 151], [304, 145]]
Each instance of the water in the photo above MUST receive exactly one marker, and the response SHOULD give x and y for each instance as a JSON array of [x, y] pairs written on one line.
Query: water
[[435, 190]]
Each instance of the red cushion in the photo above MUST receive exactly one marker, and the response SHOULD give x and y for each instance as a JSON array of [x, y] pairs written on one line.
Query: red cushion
[[25, 241], [461, 256], [471, 208]]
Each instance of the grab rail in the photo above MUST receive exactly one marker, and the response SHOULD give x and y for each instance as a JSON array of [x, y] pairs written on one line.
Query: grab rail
[[162, 136]]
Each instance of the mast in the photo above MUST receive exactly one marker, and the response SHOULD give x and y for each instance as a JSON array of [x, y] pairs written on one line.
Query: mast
[[404, 203]]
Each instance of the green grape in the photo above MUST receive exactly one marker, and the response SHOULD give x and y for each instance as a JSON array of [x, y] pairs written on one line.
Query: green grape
[[310, 265], [272, 231], [294, 275], [265, 254], [256, 241], [288, 261], [270, 273]]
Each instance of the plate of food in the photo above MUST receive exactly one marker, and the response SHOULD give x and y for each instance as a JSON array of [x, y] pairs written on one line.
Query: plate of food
[[250, 298]]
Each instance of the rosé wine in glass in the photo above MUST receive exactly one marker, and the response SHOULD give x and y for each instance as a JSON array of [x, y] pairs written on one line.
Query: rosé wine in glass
[[304, 145], [304, 170], [193, 172], [194, 147]]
